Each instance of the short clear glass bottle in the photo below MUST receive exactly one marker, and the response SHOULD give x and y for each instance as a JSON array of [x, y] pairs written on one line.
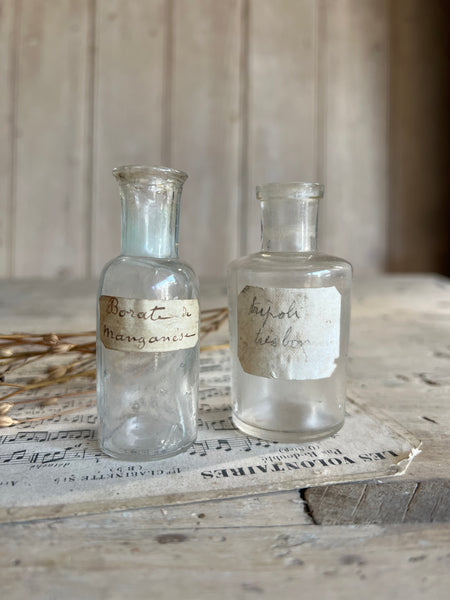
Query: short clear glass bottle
[[148, 326], [289, 313]]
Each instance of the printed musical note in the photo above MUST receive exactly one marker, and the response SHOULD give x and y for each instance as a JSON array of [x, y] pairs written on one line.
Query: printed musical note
[[262, 443], [55, 456], [199, 448], [15, 456], [214, 392], [25, 436], [223, 425], [223, 445], [73, 434], [59, 435], [247, 444], [79, 454]]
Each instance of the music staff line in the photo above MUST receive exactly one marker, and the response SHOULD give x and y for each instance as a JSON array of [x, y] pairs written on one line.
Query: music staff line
[[28, 436], [31, 436], [78, 452], [214, 392], [244, 444], [70, 454]]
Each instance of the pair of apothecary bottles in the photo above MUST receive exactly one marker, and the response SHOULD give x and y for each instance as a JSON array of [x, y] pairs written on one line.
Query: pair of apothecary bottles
[[289, 316]]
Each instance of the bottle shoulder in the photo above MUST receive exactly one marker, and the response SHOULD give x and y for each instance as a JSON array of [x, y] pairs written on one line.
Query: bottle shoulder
[[289, 270], [290, 262], [148, 277]]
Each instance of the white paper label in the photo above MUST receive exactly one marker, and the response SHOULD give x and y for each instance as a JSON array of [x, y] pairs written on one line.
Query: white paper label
[[288, 333], [138, 325]]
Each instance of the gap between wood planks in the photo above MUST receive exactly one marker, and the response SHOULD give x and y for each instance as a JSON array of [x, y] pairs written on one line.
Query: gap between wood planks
[[378, 502]]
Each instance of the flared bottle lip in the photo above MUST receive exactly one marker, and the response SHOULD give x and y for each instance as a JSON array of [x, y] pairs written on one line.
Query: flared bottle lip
[[296, 190], [146, 175]]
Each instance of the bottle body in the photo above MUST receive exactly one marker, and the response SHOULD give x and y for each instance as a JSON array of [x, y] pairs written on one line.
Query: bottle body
[[147, 350], [289, 314]]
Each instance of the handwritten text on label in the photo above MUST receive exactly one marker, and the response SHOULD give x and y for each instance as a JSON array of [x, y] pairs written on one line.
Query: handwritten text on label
[[141, 325]]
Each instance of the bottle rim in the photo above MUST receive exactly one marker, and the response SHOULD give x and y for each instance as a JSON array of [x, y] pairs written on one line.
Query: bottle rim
[[296, 190], [142, 174]]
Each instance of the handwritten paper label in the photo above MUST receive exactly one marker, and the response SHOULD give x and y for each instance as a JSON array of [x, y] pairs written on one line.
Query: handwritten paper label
[[138, 325], [288, 333]]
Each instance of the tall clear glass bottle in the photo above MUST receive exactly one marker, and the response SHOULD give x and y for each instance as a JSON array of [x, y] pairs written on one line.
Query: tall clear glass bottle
[[289, 312], [148, 326]]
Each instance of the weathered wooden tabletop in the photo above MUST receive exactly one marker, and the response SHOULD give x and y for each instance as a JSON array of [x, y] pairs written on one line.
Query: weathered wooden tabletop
[[385, 538]]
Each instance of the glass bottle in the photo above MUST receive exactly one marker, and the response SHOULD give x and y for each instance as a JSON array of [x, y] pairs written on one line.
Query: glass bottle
[[289, 313], [148, 326]]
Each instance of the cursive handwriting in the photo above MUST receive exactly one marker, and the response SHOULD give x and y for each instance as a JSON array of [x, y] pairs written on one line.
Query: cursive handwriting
[[113, 308], [288, 340], [266, 312], [142, 341], [266, 336]]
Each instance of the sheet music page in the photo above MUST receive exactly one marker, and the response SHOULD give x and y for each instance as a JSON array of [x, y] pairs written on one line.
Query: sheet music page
[[54, 466]]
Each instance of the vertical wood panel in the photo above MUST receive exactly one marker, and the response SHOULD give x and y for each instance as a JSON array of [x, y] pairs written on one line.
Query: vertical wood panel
[[353, 130], [281, 99], [7, 29], [205, 128], [128, 113], [420, 127], [51, 109], [237, 93]]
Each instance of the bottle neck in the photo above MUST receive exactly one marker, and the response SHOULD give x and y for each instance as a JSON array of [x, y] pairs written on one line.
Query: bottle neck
[[289, 224], [150, 210]]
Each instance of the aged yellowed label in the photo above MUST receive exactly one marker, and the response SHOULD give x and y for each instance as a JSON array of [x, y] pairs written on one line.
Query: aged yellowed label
[[139, 325], [286, 333]]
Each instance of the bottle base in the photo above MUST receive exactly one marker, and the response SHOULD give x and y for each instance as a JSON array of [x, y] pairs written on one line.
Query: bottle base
[[140, 439], [141, 455], [289, 437]]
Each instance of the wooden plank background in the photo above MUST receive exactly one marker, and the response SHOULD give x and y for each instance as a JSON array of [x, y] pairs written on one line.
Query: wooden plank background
[[237, 93]]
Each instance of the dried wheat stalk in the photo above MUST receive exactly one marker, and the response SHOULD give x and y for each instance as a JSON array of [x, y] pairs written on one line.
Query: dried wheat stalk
[[75, 359]]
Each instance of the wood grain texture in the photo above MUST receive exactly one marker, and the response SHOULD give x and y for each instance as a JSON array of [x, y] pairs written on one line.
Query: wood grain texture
[[130, 553], [419, 132], [353, 144], [204, 128], [380, 502], [399, 361], [280, 141], [7, 55], [130, 40], [352, 93], [50, 157]]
